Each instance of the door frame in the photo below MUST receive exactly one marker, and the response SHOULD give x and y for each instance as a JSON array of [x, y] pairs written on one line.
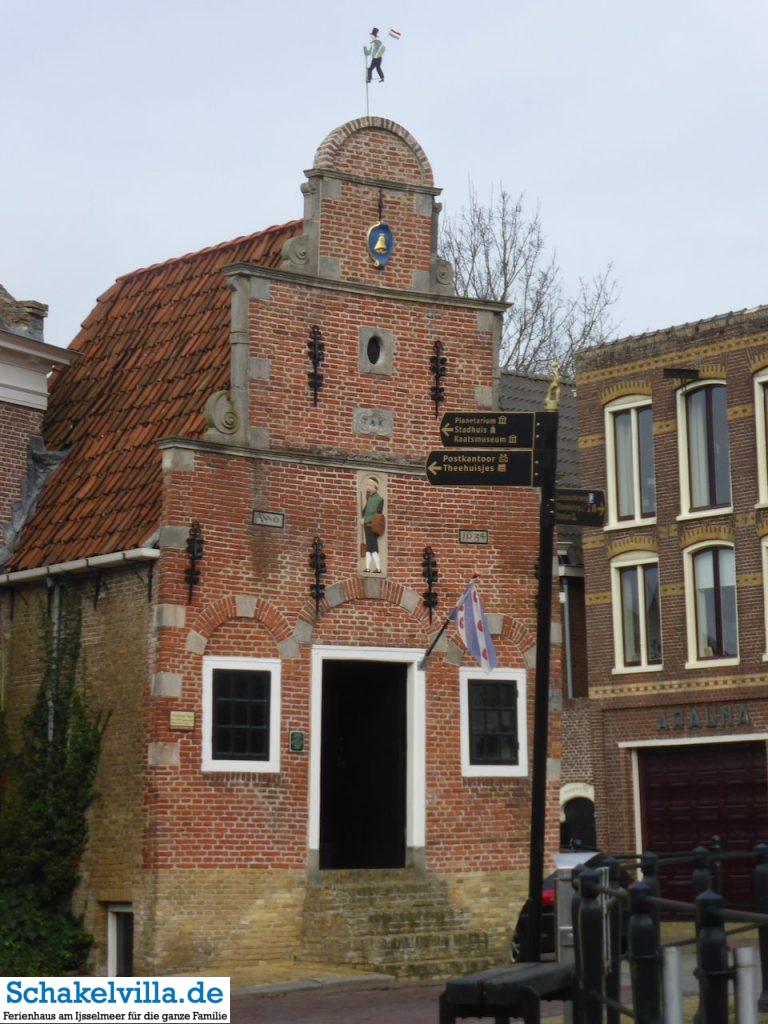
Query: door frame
[[415, 706], [682, 741]]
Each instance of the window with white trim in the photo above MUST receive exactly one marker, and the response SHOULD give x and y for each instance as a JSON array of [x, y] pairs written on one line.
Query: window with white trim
[[761, 433], [636, 604], [241, 714], [703, 438], [493, 722], [711, 610], [631, 470]]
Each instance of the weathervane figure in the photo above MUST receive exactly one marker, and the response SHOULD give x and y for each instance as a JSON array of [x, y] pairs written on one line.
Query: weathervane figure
[[375, 51]]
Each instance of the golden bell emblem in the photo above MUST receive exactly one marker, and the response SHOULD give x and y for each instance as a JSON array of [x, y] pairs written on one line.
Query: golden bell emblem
[[381, 244]]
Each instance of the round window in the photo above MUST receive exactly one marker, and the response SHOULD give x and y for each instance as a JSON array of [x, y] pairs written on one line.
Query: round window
[[373, 349]]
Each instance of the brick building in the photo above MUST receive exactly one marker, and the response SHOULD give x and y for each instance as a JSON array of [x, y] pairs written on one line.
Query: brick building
[[283, 780], [673, 425]]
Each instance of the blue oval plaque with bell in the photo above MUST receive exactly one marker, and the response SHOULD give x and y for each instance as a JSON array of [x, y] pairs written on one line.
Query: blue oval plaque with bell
[[381, 244]]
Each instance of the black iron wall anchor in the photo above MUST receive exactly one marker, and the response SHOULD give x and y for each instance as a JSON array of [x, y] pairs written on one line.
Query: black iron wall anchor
[[431, 575], [316, 351], [319, 567], [438, 364], [195, 548]]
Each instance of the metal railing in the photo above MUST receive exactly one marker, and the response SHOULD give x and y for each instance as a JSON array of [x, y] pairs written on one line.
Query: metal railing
[[600, 903]]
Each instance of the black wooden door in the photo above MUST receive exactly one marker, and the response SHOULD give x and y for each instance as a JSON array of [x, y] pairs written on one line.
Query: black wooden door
[[690, 793], [363, 765]]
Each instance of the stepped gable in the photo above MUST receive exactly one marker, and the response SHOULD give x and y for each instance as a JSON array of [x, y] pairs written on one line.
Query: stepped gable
[[155, 347]]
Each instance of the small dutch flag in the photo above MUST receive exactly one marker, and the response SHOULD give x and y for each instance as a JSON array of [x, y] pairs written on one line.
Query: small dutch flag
[[394, 34]]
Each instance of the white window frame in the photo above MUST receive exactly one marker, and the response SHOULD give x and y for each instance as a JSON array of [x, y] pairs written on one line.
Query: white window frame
[[690, 608], [629, 560], [509, 771], [760, 381], [272, 763], [113, 909], [624, 404], [682, 453]]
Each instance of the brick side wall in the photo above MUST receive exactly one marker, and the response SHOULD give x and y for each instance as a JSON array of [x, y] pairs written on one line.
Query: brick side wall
[[630, 704], [17, 425]]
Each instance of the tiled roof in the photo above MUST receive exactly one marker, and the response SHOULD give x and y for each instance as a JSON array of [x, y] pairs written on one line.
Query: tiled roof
[[153, 350]]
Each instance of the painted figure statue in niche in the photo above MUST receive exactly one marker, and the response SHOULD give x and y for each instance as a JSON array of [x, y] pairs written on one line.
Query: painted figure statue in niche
[[373, 523]]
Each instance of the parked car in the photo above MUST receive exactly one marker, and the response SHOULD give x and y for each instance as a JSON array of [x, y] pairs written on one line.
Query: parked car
[[549, 904]]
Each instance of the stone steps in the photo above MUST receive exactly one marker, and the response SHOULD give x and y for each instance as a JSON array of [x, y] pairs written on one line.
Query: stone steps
[[399, 923]]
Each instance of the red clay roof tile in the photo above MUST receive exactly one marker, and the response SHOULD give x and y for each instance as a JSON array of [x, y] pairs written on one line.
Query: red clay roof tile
[[154, 348]]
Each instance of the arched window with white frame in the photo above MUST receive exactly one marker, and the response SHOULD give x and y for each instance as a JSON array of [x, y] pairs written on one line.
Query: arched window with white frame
[[703, 445], [636, 603], [631, 470], [711, 608]]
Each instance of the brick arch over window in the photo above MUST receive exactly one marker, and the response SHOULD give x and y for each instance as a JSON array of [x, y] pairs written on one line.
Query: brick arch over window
[[329, 150], [356, 588], [236, 606]]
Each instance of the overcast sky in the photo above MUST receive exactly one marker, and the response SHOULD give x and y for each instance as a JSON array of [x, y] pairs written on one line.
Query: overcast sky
[[135, 131]]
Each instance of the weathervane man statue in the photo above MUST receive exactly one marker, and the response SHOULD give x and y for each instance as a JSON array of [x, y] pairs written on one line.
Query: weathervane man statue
[[375, 51]]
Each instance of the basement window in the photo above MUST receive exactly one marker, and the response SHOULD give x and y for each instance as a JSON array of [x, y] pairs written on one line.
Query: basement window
[[241, 714]]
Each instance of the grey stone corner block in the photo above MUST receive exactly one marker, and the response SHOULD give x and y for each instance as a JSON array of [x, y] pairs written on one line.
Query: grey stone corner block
[[260, 288], [196, 642], [302, 632], [453, 654], [422, 204], [553, 769], [329, 266], [170, 616], [555, 700], [334, 595], [259, 368], [332, 189], [245, 606], [421, 281], [372, 588], [495, 622], [289, 649], [486, 320], [166, 684], [556, 634], [178, 460], [530, 657], [441, 646], [484, 396], [164, 755], [173, 537], [410, 600], [258, 437]]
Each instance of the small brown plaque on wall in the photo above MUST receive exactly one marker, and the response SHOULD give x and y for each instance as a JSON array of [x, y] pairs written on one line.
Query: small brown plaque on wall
[[182, 719]]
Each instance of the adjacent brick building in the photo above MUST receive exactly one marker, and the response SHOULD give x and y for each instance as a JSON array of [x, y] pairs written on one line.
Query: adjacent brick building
[[673, 425], [281, 778]]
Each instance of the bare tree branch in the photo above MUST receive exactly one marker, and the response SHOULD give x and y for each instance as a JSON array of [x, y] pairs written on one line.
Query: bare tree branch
[[499, 252]]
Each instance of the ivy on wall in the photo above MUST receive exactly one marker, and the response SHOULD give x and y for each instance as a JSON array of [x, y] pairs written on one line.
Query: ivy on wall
[[43, 824]]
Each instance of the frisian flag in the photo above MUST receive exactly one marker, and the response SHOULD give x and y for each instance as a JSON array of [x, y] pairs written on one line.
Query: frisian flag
[[394, 34], [473, 628]]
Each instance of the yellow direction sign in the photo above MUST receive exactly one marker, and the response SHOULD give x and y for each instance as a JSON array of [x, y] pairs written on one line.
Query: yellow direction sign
[[481, 469]]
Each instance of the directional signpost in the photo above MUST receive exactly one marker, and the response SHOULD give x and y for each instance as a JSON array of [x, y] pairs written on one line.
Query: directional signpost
[[481, 469], [488, 429], [579, 508]]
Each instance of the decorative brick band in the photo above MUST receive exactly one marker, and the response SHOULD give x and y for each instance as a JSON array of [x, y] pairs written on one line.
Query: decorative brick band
[[591, 441], [647, 687], [328, 150], [701, 534], [741, 412], [662, 427], [624, 388], [712, 370], [593, 541], [598, 597], [758, 360], [745, 580], [641, 542]]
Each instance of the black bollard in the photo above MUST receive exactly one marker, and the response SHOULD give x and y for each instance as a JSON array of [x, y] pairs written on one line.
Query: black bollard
[[716, 846], [649, 865], [701, 881], [591, 943], [761, 905], [644, 956], [712, 959], [578, 1001], [613, 973]]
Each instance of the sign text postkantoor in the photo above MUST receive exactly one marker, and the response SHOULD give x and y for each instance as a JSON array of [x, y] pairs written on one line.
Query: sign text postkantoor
[[481, 469], [488, 429]]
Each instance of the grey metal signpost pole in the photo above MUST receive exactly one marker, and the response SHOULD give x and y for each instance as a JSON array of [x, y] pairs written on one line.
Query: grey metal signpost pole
[[546, 455]]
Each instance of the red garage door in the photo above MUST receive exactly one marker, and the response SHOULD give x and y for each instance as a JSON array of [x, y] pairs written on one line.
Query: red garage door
[[690, 793]]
